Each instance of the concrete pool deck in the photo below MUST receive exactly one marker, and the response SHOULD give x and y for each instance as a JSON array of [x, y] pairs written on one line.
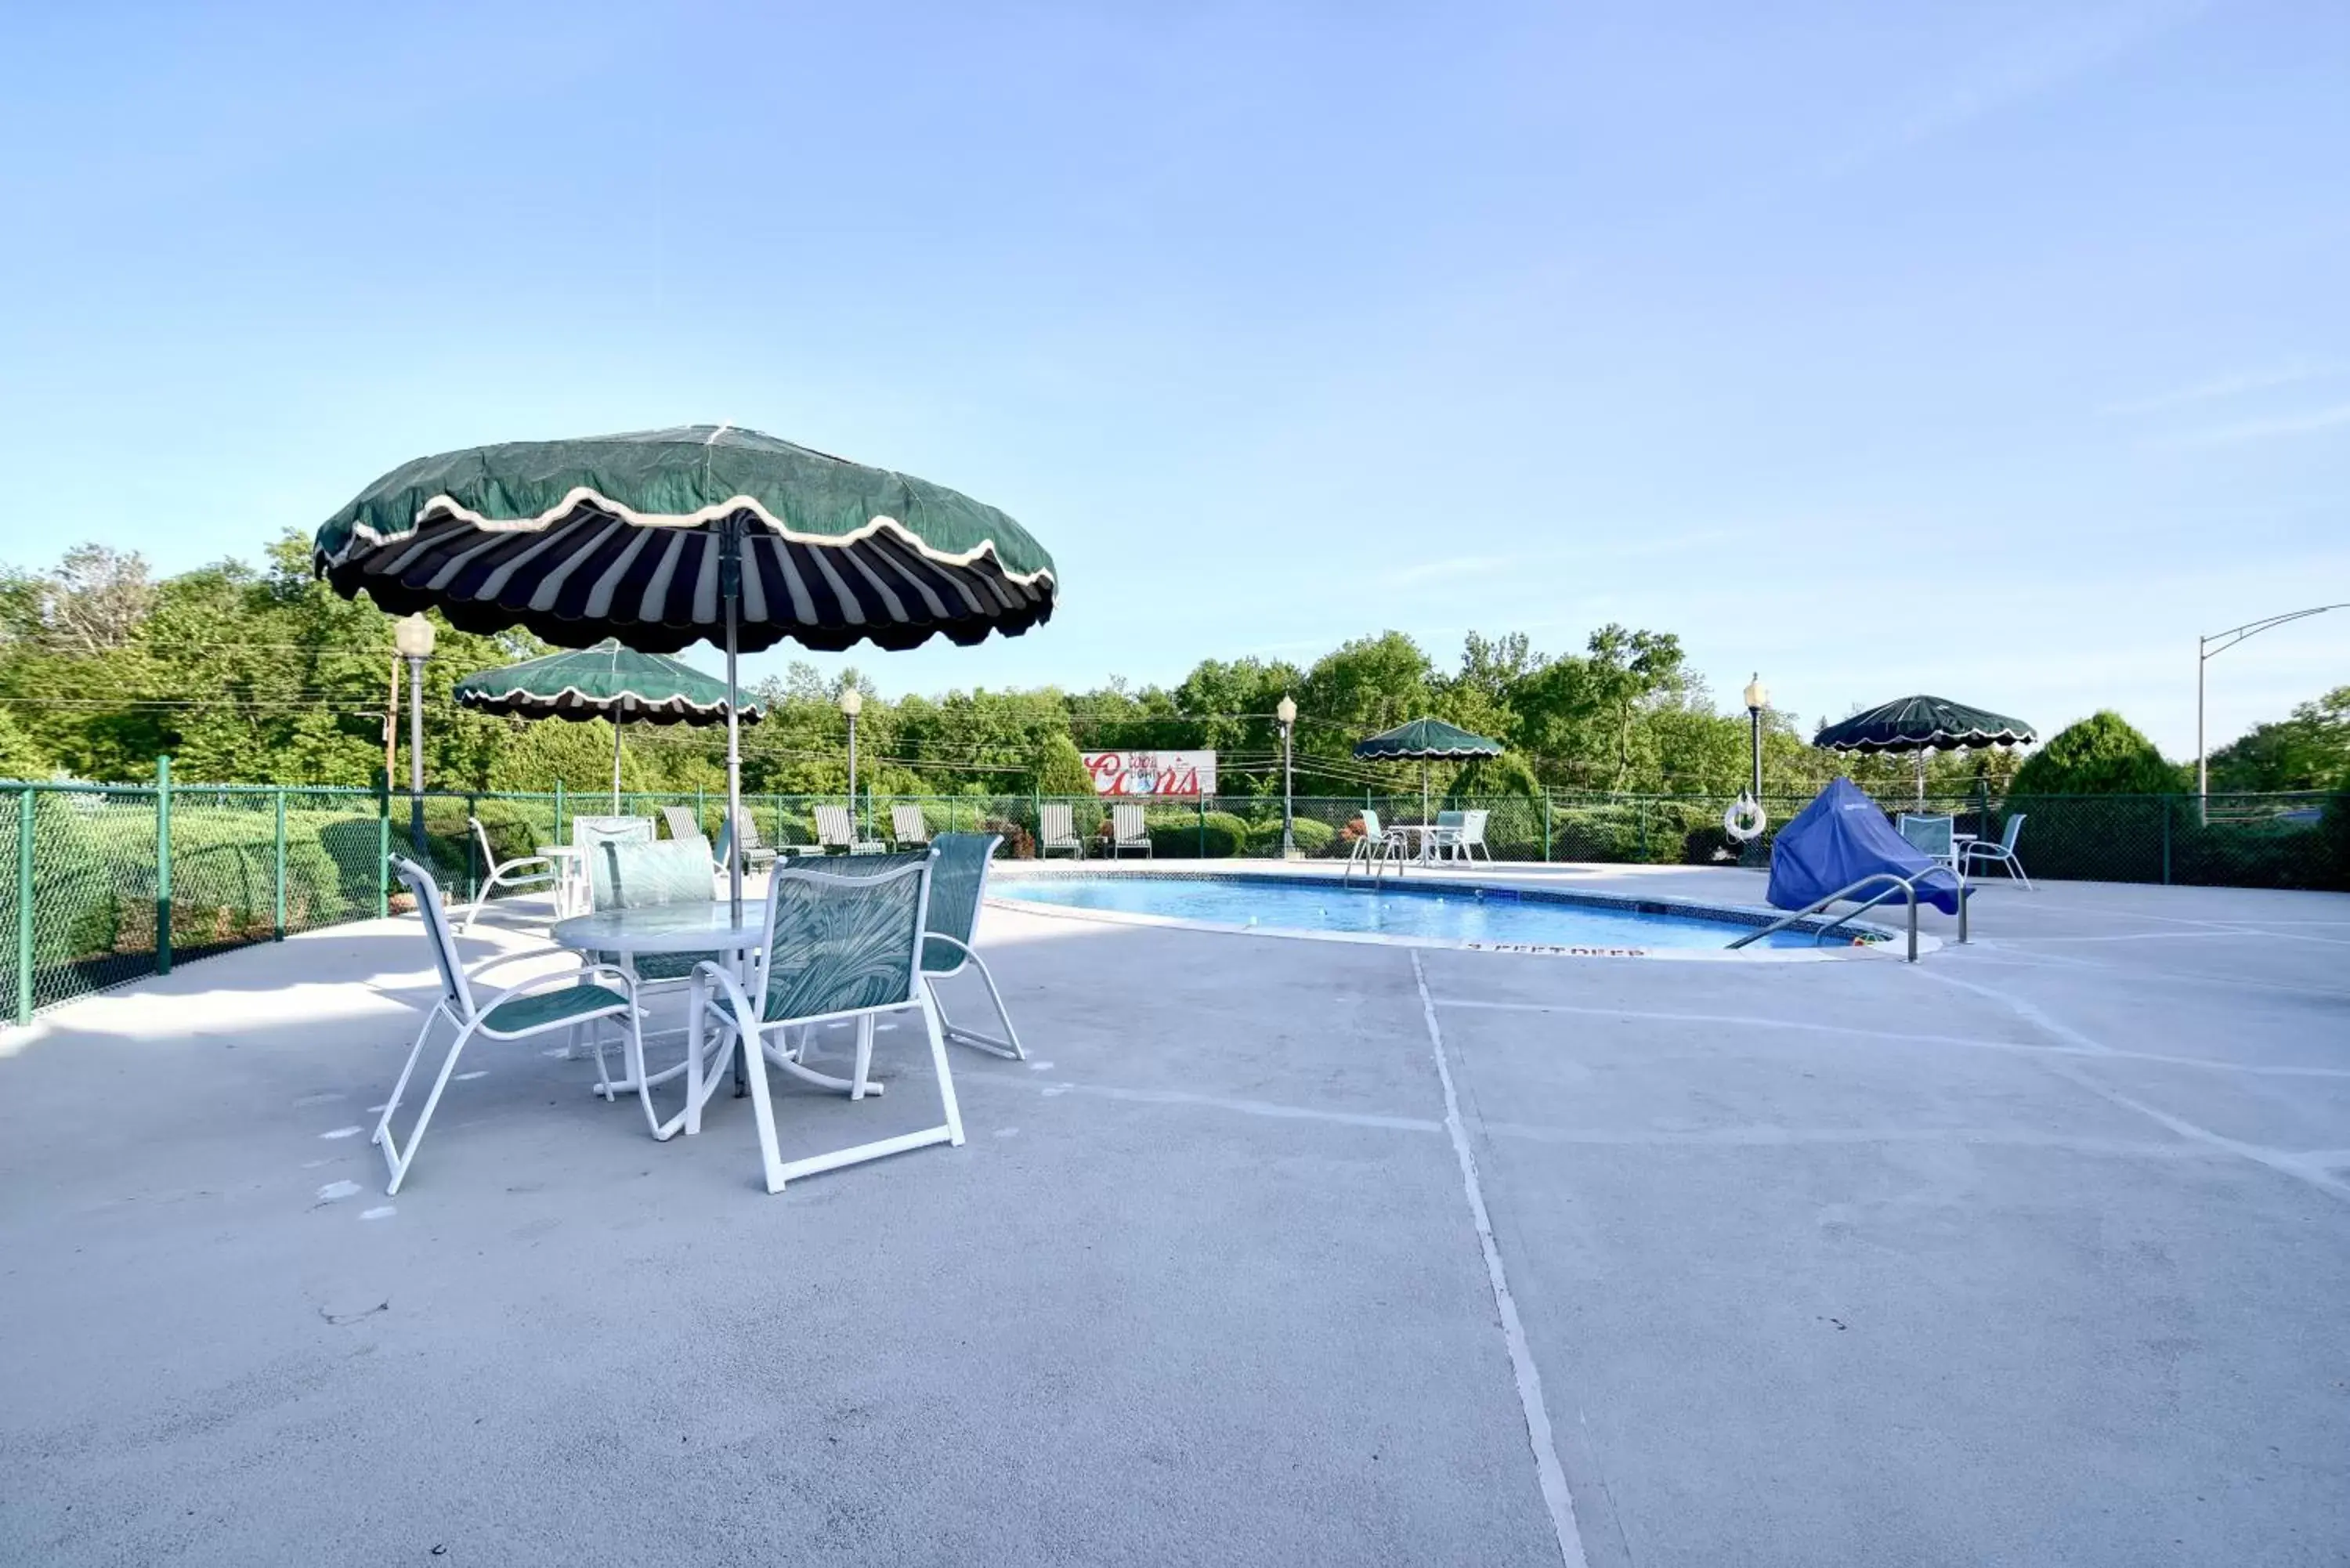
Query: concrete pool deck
[[2034, 1251]]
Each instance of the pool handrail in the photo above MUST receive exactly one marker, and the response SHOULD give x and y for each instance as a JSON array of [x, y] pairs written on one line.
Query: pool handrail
[[1906, 885]]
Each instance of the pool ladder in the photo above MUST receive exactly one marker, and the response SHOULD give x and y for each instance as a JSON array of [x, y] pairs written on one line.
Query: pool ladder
[[1903, 885]]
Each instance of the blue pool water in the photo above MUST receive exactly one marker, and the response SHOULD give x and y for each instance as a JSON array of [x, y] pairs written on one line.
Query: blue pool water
[[1444, 913]]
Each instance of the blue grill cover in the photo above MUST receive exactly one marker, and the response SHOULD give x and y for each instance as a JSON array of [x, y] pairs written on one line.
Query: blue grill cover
[[1841, 837]]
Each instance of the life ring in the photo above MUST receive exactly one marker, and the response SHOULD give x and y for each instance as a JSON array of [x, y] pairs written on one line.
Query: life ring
[[1745, 819]]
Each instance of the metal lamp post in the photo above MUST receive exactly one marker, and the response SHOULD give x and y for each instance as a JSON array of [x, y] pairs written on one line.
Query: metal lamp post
[[2204, 652], [414, 638], [1758, 697], [1287, 714], [852, 703]]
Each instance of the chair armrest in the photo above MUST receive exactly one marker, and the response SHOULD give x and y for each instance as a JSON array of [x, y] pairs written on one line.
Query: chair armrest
[[618, 976], [547, 952]]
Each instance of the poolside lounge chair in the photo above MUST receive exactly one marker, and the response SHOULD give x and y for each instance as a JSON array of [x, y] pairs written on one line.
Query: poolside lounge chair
[[958, 884], [1126, 830], [2001, 852], [540, 1005], [851, 949], [741, 828], [1932, 836], [523, 871], [1056, 829], [685, 823], [907, 825], [836, 829]]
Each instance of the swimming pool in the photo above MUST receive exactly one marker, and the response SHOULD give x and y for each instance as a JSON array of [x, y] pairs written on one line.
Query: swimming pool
[[1450, 914]]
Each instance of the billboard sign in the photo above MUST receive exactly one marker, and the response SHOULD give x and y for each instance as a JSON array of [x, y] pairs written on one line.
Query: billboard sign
[[1152, 773]]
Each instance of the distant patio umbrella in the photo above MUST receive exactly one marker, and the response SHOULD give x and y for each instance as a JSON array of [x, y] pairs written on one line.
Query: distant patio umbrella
[[662, 538], [606, 681], [1426, 741], [1923, 724]]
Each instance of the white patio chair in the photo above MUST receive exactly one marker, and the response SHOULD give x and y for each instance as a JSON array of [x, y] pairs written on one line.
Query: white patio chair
[[836, 828], [1376, 849], [1126, 830], [517, 1013], [958, 884], [1056, 829], [850, 950], [514, 873], [586, 833], [1468, 836], [907, 825], [2001, 852], [1932, 836]]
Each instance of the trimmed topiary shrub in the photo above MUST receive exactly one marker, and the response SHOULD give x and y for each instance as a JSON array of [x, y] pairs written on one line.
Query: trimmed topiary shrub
[[1184, 836], [2102, 755], [1310, 836]]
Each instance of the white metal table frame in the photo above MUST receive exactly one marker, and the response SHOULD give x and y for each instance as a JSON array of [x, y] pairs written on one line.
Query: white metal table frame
[[571, 875], [711, 927]]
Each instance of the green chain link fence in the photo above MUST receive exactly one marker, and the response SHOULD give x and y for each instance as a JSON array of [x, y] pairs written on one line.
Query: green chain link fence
[[114, 881]]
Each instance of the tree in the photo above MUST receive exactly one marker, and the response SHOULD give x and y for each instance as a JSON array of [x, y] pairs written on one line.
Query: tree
[[1060, 770], [20, 756], [2310, 749], [2102, 755]]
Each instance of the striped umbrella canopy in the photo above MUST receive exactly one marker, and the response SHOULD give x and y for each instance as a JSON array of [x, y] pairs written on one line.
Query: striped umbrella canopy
[[1426, 741], [1923, 724], [662, 538], [606, 681]]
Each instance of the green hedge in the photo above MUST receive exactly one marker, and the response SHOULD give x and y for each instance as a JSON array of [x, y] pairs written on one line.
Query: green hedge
[[1186, 835]]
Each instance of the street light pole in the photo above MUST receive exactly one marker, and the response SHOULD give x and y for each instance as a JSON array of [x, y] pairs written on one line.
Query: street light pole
[[1287, 714], [1758, 697], [852, 703], [2206, 649], [414, 638]]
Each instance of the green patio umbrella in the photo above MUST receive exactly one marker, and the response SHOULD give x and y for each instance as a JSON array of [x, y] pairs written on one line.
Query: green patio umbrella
[[1923, 724], [606, 681], [662, 538], [1426, 741]]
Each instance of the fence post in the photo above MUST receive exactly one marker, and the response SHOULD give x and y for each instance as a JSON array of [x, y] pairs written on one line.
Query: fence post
[[163, 864], [2166, 841], [278, 926], [1203, 827], [701, 809], [472, 851], [558, 811], [25, 805], [1641, 817], [1545, 825], [383, 848]]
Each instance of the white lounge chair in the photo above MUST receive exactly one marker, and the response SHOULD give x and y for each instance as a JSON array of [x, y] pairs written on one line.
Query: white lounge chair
[[741, 828], [2002, 852], [1126, 830], [516, 873], [852, 950], [1056, 829], [836, 829], [907, 825], [564, 1000]]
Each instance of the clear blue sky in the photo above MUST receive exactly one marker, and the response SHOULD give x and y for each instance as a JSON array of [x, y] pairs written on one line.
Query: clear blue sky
[[2017, 333]]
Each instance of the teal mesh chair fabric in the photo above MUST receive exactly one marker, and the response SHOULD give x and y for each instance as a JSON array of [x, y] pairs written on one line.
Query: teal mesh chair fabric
[[958, 882], [642, 875], [588, 832], [436, 931], [844, 935]]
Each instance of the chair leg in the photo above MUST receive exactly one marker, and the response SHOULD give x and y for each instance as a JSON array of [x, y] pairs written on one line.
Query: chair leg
[[864, 1055], [1008, 1047], [762, 1110], [937, 1032], [396, 1159]]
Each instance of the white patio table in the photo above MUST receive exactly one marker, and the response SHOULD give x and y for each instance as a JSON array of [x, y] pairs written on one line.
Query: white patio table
[[711, 927], [690, 928]]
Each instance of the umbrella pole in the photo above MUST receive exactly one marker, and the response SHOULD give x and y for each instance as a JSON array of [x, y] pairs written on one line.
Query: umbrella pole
[[616, 766], [733, 774], [1922, 778]]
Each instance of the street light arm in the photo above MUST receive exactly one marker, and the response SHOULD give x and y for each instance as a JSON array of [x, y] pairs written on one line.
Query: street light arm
[[2236, 634]]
